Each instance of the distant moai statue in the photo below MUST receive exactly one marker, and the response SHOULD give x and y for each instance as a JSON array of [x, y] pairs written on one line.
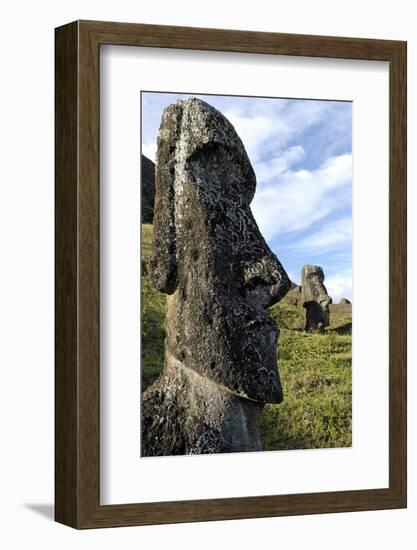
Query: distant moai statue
[[211, 260], [315, 299]]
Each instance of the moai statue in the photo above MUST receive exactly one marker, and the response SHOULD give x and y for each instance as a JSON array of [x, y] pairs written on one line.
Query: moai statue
[[315, 299], [211, 260]]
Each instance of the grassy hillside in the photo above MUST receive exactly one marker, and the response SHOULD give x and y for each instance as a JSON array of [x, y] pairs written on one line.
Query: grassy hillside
[[153, 318], [315, 372]]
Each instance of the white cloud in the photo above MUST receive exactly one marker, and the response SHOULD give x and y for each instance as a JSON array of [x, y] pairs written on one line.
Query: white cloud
[[149, 150], [328, 238], [267, 170], [297, 199], [254, 131], [339, 286], [268, 126]]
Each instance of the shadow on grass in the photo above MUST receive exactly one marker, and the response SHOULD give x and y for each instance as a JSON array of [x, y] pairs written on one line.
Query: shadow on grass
[[344, 329]]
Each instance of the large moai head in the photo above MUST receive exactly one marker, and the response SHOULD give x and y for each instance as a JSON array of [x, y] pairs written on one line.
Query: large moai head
[[210, 257], [315, 299]]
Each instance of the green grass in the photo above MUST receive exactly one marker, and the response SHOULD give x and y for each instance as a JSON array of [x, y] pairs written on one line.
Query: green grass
[[315, 372], [153, 318], [316, 412], [292, 317]]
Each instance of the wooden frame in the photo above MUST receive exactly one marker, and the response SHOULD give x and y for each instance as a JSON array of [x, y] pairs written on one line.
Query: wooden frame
[[77, 406]]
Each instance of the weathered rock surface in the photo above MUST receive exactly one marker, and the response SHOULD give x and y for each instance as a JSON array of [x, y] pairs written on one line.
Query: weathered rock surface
[[147, 189], [341, 309], [220, 275], [294, 296], [185, 413], [315, 299]]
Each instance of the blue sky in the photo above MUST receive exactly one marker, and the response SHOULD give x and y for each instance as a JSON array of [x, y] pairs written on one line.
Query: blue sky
[[301, 151]]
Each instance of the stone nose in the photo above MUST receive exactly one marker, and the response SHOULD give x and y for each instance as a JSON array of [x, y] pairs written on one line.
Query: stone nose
[[266, 281]]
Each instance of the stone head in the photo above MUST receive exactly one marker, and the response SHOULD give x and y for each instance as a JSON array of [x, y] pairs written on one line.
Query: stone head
[[210, 257], [314, 291]]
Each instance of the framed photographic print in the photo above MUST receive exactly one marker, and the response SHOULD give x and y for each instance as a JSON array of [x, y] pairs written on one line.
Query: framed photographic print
[[230, 274]]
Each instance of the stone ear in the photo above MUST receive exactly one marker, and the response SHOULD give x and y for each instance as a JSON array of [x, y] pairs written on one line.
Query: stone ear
[[163, 265]]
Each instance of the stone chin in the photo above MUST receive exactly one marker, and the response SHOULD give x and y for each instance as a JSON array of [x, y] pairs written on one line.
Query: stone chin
[[258, 362], [235, 348]]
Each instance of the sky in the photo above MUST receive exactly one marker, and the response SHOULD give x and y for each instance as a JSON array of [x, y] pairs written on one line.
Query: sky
[[301, 151]]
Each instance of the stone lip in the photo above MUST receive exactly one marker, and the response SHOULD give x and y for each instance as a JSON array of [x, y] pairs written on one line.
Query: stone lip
[[210, 257]]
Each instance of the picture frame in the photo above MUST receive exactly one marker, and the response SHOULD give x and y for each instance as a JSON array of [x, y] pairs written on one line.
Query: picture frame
[[77, 272]]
